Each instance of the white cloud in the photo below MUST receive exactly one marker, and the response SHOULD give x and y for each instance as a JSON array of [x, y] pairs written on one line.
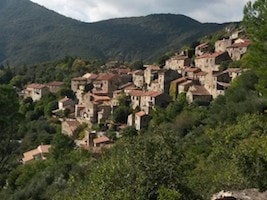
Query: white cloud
[[95, 10]]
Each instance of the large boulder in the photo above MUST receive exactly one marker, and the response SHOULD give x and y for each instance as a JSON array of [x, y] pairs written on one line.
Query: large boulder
[[248, 194]]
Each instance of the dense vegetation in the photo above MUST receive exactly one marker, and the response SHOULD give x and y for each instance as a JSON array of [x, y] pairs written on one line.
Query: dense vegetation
[[31, 34], [188, 152]]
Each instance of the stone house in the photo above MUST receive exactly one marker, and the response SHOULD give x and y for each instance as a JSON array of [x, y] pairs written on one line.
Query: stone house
[[104, 112], [211, 62], [184, 86], [234, 72], [221, 45], [101, 141], [201, 49], [191, 72], [95, 108], [162, 84], [66, 103], [147, 100], [151, 73], [77, 82], [165, 77], [90, 76], [174, 87], [236, 34], [201, 77], [238, 49], [69, 127], [138, 78], [106, 84], [54, 86], [125, 74], [198, 93], [217, 83], [138, 120], [40, 153], [36, 91], [177, 62]]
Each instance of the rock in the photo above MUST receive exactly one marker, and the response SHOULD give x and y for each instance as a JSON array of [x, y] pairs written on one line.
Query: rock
[[248, 194]]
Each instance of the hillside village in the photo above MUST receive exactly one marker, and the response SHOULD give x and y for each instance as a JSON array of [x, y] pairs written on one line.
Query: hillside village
[[97, 96]]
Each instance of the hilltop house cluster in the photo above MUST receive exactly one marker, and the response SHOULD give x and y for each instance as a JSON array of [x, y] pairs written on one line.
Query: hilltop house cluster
[[97, 95]]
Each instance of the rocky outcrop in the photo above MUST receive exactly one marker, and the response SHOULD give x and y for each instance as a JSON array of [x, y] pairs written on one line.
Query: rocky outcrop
[[248, 194]]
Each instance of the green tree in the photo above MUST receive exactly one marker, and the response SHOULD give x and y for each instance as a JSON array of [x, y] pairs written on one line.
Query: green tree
[[61, 145], [168, 194], [255, 20], [9, 119]]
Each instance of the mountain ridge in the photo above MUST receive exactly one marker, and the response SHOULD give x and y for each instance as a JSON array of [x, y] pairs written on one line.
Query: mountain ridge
[[33, 34]]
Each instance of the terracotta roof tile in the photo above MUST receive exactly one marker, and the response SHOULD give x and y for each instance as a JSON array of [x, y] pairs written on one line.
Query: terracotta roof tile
[[138, 72], [55, 83], [145, 93], [178, 57], [101, 98], [36, 86], [180, 80], [106, 76], [238, 45], [226, 85], [152, 67], [233, 70], [201, 73], [90, 76], [199, 90], [29, 155], [73, 124], [101, 139], [192, 69], [210, 55], [79, 79]]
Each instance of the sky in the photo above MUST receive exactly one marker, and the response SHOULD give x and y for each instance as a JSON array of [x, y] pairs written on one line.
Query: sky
[[96, 10]]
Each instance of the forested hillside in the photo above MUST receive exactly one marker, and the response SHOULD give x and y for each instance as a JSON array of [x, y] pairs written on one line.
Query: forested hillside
[[31, 34], [188, 152]]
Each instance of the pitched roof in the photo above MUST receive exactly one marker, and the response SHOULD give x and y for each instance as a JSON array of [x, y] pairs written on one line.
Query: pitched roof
[[216, 74], [210, 55], [199, 90], [29, 155], [121, 70], [105, 76], [90, 76], [145, 93], [202, 45], [226, 85], [180, 80], [152, 67], [36, 86], [192, 69], [234, 70], [124, 86], [101, 139], [79, 79], [101, 98], [188, 82], [201, 73], [55, 83], [179, 57], [241, 44], [139, 72], [73, 124]]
